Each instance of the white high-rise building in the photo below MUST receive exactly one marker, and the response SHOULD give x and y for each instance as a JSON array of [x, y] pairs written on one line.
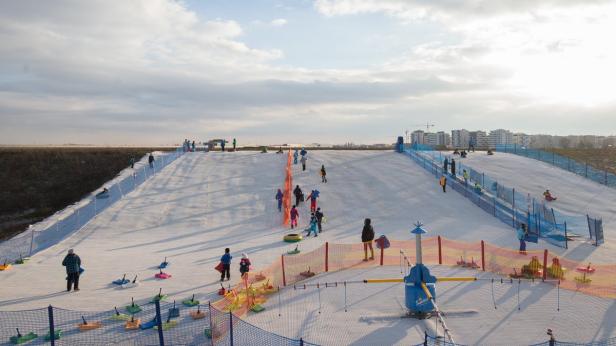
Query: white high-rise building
[[431, 138], [460, 138], [521, 140], [479, 139], [443, 139], [417, 137], [500, 137]]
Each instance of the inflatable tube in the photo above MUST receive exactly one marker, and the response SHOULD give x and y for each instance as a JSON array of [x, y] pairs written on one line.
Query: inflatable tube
[[292, 238]]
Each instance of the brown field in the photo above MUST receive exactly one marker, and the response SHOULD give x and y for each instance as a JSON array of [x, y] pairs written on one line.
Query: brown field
[[37, 182], [603, 159]]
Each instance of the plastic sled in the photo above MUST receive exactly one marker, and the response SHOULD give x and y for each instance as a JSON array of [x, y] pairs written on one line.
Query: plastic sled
[[132, 324], [257, 308], [148, 325], [57, 334], [588, 269], [163, 264], [208, 333], [473, 264], [294, 251], [85, 326], [20, 338], [168, 325], [133, 308], [191, 301], [307, 273], [159, 297], [260, 277], [22, 260], [122, 281], [197, 315], [117, 316], [461, 262], [131, 284], [81, 270], [162, 275], [174, 312], [222, 291]]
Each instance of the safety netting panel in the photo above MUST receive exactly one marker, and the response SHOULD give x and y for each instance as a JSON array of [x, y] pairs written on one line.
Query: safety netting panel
[[30, 326], [12, 249], [510, 262], [184, 325], [461, 253], [304, 265]]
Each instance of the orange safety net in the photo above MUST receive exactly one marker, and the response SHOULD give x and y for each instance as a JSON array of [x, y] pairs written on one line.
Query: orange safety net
[[597, 280], [288, 189]]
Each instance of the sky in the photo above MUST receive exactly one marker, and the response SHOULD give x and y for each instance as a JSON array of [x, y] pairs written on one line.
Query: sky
[[153, 72]]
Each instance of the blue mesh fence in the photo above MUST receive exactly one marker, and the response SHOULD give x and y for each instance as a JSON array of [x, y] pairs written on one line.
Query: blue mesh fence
[[181, 325], [508, 205], [600, 176], [57, 227]]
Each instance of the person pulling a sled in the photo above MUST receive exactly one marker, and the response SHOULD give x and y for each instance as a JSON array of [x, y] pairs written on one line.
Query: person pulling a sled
[[226, 265]]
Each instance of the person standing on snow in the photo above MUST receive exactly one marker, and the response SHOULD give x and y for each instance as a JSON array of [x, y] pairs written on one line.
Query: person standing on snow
[[303, 161], [521, 233], [313, 228], [244, 265], [294, 217], [319, 216], [193, 146], [234, 143], [453, 168], [303, 152], [314, 194], [72, 262], [465, 176], [295, 156], [132, 162], [222, 145], [367, 236], [445, 165], [443, 183], [226, 265], [279, 196], [298, 195], [323, 174], [151, 160]]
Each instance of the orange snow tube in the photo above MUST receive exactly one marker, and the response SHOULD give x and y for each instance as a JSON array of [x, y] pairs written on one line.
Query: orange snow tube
[[288, 189]]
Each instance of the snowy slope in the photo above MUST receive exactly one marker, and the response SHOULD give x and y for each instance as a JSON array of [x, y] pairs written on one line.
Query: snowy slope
[[204, 202]]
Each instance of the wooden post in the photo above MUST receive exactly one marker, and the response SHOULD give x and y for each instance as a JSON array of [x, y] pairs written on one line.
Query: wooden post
[[483, 256], [326, 256], [545, 264], [284, 278], [440, 251]]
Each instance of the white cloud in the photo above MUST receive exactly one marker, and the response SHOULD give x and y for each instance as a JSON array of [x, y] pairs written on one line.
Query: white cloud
[[278, 22]]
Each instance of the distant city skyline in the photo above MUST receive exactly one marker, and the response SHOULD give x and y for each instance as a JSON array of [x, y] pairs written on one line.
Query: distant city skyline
[[153, 72]]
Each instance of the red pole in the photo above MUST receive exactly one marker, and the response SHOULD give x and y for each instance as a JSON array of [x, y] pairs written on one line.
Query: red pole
[[483, 256], [284, 279], [545, 264], [382, 253], [326, 256], [440, 253]]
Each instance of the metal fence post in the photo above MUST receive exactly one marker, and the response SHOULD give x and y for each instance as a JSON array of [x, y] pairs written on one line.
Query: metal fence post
[[566, 240], [513, 208], [159, 323], [230, 328], [209, 309], [52, 332], [31, 239]]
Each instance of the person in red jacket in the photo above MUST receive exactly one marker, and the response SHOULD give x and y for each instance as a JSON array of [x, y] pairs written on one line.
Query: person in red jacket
[[294, 217]]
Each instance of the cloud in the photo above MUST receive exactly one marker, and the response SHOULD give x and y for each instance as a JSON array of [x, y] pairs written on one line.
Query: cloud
[[278, 22]]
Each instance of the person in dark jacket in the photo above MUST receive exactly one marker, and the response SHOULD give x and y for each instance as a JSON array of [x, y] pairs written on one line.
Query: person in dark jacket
[[323, 174], [72, 262], [445, 165], [367, 236], [226, 265], [298, 195], [453, 167], [151, 160], [303, 161], [319, 216], [222, 145], [279, 197], [244, 265]]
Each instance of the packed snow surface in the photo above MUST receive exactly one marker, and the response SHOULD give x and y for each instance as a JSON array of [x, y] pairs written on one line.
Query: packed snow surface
[[204, 202]]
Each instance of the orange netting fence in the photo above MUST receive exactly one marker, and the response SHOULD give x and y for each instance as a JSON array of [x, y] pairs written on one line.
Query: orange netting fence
[[288, 188], [597, 280]]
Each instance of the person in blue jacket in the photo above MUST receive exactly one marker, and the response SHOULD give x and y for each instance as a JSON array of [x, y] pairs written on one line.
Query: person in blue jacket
[[279, 196], [303, 152], [226, 265], [313, 228], [521, 233], [295, 156]]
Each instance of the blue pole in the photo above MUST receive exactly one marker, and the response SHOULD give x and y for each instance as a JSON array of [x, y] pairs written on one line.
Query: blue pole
[[159, 323], [230, 328]]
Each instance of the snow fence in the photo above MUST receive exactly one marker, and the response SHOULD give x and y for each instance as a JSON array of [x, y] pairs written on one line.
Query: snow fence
[[64, 223]]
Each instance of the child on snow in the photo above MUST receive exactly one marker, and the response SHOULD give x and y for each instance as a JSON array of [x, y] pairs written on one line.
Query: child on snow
[[314, 194], [313, 228], [323, 174], [548, 196], [244, 265], [226, 265], [279, 196], [319, 216], [294, 217], [443, 183]]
